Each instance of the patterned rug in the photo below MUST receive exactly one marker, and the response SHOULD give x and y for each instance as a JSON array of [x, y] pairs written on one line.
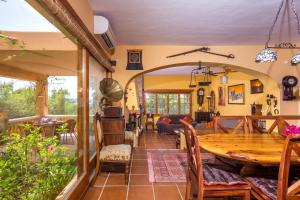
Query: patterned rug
[[167, 165]]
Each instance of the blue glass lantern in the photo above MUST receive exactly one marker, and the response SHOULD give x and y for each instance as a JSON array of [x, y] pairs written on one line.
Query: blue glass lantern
[[296, 59], [266, 55]]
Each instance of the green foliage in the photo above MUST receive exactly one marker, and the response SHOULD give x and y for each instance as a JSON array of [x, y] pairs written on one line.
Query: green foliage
[[22, 102], [63, 129], [34, 168], [60, 103], [17, 103]]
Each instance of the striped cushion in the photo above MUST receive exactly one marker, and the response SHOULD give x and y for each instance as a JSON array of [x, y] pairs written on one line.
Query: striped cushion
[[215, 176], [266, 186]]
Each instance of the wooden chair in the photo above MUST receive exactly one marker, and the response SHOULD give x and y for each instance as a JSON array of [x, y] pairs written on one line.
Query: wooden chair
[[232, 127], [48, 130], [149, 121], [71, 124], [285, 120], [269, 189], [253, 120], [119, 154], [211, 181]]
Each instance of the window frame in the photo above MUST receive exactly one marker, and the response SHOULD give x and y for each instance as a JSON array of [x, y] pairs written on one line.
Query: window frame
[[156, 92]]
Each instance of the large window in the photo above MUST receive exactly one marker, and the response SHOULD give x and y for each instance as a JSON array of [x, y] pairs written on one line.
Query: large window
[[42, 115], [96, 74], [174, 102]]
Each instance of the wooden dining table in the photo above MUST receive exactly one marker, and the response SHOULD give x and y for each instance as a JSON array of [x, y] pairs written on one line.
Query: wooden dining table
[[251, 149]]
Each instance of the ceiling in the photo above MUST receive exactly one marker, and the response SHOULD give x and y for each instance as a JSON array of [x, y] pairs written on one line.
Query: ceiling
[[180, 71], [193, 22], [51, 63]]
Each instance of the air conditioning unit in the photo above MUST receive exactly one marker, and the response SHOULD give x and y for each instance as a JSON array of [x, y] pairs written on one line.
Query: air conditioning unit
[[104, 33]]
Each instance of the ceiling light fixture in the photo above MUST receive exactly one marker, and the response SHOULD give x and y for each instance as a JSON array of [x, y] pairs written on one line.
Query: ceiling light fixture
[[206, 74], [267, 54]]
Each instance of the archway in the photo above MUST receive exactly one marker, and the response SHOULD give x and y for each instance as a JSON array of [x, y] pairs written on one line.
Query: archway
[[252, 74]]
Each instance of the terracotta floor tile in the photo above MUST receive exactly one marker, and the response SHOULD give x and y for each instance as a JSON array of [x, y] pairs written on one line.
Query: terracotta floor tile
[[116, 179], [114, 193], [100, 180], [139, 151], [140, 162], [139, 180], [139, 170], [166, 193], [182, 189], [140, 193], [140, 156], [93, 193]]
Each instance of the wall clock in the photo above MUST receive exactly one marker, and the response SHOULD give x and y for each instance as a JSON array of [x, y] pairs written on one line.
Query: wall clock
[[288, 83], [134, 59], [200, 95]]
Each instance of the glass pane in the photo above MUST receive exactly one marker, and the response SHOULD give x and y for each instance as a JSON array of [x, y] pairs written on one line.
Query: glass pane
[[162, 103], [173, 104], [96, 74], [184, 104], [17, 97], [62, 95], [150, 103], [40, 127]]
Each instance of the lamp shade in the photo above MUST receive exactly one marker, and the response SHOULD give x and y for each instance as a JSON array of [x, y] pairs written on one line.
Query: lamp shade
[[296, 59], [266, 55]]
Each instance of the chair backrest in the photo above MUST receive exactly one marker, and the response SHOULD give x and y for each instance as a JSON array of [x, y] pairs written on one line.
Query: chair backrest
[[230, 124], [254, 120], [98, 133], [194, 155], [284, 192], [48, 130], [132, 117], [286, 120], [71, 123], [149, 117]]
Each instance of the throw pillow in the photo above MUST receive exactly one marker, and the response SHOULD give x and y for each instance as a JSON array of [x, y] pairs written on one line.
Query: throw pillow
[[166, 120], [187, 119]]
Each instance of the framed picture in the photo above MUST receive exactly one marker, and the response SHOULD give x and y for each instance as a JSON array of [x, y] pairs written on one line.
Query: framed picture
[[236, 94], [134, 59], [221, 96], [256, 86]]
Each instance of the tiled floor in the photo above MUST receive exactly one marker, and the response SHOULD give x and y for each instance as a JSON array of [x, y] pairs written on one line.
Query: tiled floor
[[111, 186]]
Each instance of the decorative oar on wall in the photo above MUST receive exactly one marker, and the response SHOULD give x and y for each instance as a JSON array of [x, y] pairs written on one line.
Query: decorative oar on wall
[[203, 50]]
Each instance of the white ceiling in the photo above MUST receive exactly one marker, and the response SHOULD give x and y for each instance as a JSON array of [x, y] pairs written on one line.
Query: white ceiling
[[192, 22], [177, 71]]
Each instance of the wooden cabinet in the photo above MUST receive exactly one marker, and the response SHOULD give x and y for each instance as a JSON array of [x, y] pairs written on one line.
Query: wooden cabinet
[[203, 116], [113, 130]]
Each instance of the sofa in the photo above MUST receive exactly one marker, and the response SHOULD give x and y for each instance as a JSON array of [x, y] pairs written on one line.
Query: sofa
[[175, 123]]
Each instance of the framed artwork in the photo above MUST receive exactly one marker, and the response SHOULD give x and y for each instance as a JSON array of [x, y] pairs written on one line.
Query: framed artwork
[[256, 86], [221, 96], [236, 94], [134, 59]]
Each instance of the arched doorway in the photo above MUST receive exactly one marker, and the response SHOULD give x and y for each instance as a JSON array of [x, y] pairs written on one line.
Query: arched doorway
[[241, 76]]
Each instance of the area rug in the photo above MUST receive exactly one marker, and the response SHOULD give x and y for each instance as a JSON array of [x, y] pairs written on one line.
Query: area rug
[[170, 165], [167, 165]]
